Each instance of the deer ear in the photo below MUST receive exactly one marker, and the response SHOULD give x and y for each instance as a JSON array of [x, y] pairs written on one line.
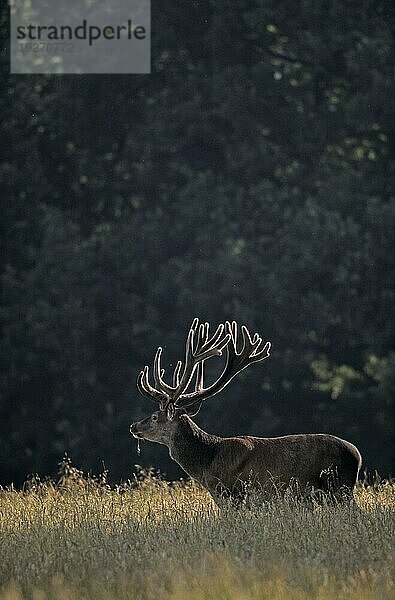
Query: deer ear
[[171, 411]]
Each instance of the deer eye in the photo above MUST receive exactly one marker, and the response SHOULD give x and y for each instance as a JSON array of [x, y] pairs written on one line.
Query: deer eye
[[154, 418]]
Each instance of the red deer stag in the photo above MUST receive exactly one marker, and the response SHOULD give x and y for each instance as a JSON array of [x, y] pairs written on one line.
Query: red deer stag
[[230, 464]]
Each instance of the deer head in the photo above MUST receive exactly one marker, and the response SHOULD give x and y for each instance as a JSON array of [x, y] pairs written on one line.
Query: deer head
[[174, 400]]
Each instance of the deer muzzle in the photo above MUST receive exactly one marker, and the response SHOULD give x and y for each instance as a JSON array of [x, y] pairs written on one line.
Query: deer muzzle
[[134, 430]]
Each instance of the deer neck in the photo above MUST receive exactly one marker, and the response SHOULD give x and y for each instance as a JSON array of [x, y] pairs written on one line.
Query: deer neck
[[192, 448]]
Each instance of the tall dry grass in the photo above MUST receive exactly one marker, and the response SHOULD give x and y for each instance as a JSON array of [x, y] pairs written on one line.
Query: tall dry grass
[[150, 540]]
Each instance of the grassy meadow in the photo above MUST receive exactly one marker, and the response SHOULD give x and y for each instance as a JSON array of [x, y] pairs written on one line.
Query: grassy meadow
[[146, 539]]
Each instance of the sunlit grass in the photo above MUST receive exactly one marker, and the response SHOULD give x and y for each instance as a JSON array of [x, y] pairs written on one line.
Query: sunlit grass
[[149, 540]]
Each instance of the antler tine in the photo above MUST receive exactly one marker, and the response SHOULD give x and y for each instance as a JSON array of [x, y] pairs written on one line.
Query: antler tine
[[231, 328], [247, 341], [195, 323], [176, 374], [201, 338], [262, 354], [158, 373], [189, 344], [145, 388], [189, 366], [140, 386], [250, 350], [233, 353], [214, 339], [215, 350]]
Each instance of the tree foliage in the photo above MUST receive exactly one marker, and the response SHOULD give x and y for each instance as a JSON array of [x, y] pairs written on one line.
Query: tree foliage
[[249, 177]]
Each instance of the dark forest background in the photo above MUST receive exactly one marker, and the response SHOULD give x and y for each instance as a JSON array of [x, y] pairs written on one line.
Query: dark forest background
[[249, 177]]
